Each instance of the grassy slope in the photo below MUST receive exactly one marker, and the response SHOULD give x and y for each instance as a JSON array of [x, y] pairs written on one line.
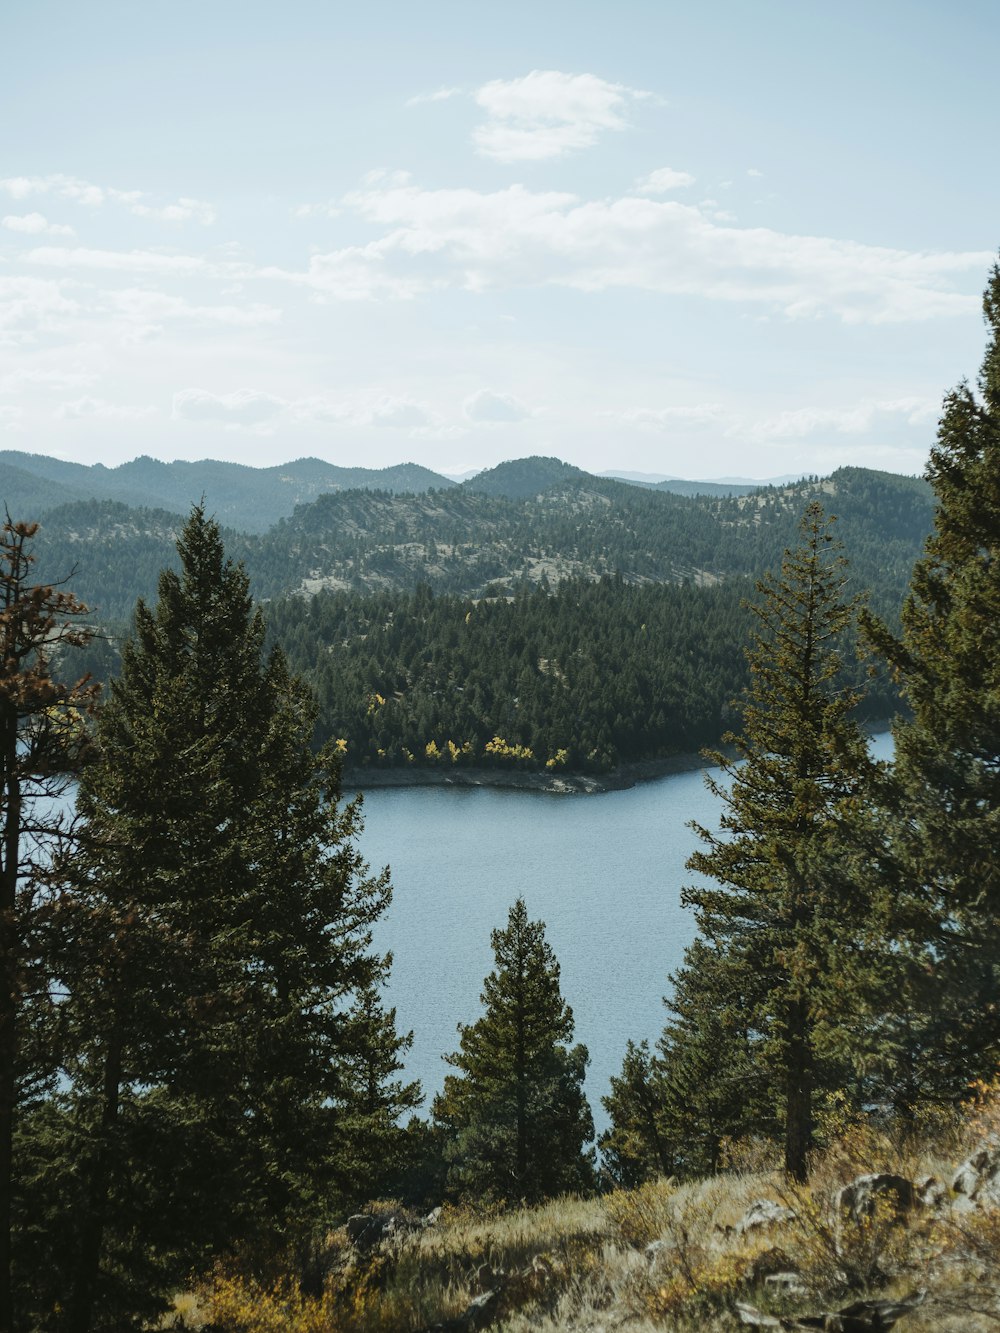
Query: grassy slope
[[583, 1264]]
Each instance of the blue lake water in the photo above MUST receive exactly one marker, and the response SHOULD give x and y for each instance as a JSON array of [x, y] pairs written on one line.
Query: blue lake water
[[603, 872]]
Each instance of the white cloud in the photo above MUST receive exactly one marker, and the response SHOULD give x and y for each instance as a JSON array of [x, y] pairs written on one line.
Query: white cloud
[[250, 409], [439, 95], [94, 196], [399, 413], [792, 424], [547, 113], [124, 261], [663, 180], [32, 306], [65, 187], [493, 408], [244, 407], [857, 420], [100, 407], [149, 307], [752, 171], [17, 380], [36, 224], [184, 210], [664, 418], [522, 238]]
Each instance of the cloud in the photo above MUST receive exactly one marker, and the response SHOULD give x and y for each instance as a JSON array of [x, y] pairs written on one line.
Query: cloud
[[399, 413], [791, 424], [149, 307], [245, 407], [663, 180], [516, 237], [65, 187], [250, 409], [857, 420], [439, 95], [95, 196], [184, 210], [31, 306], [493, 408], [126, 261], [752, 171], [16, 380], [663, 418], [99, 407], [36, 224], [547, 113]]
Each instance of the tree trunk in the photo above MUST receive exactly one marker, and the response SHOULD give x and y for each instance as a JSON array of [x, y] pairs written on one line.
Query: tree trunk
[[798, 1094], [93, 1219]]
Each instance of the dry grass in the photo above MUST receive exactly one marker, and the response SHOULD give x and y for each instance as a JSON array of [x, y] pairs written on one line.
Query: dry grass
[[665, 1256]]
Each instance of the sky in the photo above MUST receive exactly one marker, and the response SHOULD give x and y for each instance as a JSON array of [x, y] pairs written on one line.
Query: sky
[[713, 240]]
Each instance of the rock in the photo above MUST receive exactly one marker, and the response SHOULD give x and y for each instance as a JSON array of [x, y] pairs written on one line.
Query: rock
[[656, 1248], [769, 1263], [432, 1218], [860, 1198], [788, 1284], [931, 1192], [978, 1178], [763, 1213], [366, 1230], [861, 1317]]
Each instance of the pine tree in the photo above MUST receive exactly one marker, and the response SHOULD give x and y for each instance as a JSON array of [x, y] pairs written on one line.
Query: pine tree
[[635, 1148], [42, 739], [516, 1116], [784, 910], [221, 933], [944, 821]]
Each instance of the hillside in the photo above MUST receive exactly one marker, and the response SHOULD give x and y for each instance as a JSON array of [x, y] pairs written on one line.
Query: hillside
[[571, 626], [542, 525]]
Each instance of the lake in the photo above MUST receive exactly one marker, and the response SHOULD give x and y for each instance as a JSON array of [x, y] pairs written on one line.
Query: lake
[[603, 872]]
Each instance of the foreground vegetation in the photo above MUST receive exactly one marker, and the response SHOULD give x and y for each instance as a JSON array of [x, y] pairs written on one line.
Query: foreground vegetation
[[663, 1255]]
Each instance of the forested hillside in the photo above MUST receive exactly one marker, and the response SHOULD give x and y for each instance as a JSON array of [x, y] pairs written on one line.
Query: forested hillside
[[580, 679], [551, 619]]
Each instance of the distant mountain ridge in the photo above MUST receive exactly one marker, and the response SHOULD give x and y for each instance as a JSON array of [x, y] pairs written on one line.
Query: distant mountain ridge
[[252, 499], [247, 498]]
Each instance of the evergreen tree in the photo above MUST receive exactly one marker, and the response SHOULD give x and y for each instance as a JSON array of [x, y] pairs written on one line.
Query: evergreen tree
[[635, 1149], [515, 1115], [42, 739], [784, 909], [944, 821], [221, 933]]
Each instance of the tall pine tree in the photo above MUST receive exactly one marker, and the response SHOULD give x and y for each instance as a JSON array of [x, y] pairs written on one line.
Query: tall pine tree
[[944, 823], [221, 933], [784, 910], [516, 1117]]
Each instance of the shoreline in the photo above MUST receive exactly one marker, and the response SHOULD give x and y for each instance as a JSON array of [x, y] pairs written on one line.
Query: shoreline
[[555, 784], [622, 778]]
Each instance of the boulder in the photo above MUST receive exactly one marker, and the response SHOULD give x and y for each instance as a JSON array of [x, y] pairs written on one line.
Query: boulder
[[763, 1213], [860, 1198], [931, 1192], [977, 1180], [366, 1230]]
